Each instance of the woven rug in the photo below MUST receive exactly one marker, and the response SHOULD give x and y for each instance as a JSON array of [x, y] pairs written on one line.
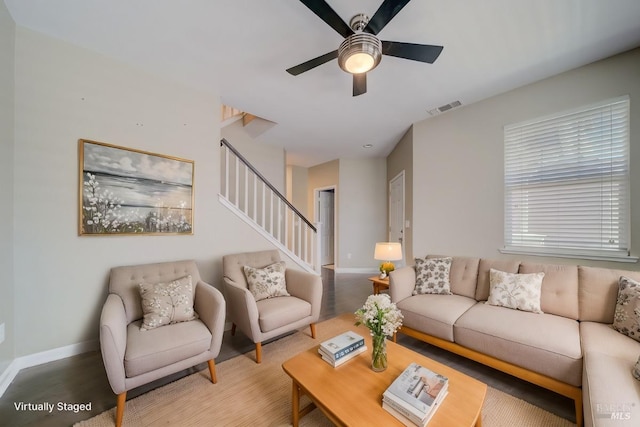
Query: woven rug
[[248, 394]]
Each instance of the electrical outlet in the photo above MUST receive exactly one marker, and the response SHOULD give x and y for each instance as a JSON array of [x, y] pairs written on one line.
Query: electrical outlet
[[348, 256], [1, 333]]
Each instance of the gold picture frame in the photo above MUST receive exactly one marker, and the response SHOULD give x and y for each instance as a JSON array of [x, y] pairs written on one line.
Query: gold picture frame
[[123, 191]]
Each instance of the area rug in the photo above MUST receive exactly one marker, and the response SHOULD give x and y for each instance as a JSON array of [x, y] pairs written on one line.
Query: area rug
[[248, 394]]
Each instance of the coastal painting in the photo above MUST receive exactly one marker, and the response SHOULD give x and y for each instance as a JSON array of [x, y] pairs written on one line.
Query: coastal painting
[[123, 191]]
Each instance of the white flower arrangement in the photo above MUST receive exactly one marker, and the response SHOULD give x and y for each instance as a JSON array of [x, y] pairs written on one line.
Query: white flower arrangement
[[380, 315]]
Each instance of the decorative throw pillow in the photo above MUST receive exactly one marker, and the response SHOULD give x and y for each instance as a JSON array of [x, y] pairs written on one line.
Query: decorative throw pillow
[[166, 303], [636, 370], [626, 319], [517, 291], [432, 276], [267, 282]]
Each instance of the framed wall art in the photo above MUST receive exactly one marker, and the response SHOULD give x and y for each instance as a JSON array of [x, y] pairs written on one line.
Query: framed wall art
[[123, 191]]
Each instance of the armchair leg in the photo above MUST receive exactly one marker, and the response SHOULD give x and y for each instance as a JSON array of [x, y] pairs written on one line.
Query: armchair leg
[[258, 352], [233, 329], [313, 330], [122, 399], [212, 370]]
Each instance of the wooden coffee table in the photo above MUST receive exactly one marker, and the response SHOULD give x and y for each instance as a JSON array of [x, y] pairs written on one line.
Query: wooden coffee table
[[351, 394]]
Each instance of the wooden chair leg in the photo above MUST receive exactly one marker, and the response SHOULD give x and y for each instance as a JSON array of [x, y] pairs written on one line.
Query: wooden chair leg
[[212, 371], [122, 400], [313, 330], [258, 352], [233, 329]]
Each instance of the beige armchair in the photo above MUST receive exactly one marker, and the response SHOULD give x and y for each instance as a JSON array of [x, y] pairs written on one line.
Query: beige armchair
[[133, 357], [268, 318]]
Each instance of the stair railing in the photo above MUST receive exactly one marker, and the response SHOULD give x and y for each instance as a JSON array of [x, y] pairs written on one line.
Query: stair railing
[[252, 197]]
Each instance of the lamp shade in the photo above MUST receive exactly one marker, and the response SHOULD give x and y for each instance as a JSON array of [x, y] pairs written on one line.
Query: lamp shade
[[388, 251]]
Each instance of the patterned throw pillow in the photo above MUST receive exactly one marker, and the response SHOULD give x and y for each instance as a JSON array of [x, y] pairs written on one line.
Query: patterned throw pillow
[[267, 282], [432, 276], [517, 291], [167, 303], [626, 319]]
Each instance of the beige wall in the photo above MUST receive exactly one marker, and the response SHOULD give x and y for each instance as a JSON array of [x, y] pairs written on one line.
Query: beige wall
[[63, 93], [458, 158], [7, 34], [297, 189], [399, 160], [322, 176], [360, 203], [267, 159], [363, 214]]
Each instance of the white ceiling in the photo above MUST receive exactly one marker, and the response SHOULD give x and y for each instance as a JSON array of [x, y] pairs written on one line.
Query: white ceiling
[[241, 48]]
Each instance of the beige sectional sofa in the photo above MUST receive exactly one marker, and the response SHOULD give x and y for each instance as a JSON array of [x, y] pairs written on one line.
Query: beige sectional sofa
[[570, 348]]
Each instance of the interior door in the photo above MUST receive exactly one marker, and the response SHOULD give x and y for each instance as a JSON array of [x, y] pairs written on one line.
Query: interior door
[[396, 211], [326, 218]]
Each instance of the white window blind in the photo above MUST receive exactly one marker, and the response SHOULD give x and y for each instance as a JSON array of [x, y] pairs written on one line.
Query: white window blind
[[567, 183]]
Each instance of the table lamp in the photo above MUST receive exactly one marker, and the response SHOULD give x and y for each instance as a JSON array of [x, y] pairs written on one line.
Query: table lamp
[[387, 252]]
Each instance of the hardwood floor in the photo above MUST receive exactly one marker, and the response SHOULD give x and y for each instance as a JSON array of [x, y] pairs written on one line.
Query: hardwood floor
[[82, 378]]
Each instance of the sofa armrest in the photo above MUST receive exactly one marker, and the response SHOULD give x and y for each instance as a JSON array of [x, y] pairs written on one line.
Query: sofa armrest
[[210, 306], [306, 286], [242, 309], [401, 283], [113, 341]]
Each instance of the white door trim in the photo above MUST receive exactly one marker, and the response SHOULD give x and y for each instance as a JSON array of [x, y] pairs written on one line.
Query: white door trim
[[316, 202], [403, 215]]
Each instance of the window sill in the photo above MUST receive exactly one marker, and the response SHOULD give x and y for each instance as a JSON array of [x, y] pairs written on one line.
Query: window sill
[[595, 257]]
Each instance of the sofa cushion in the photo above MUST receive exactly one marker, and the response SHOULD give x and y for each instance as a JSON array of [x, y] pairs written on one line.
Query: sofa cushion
[[559, 288], [485, 265], [432, 276], [543, 343], [598, 337], [463, 275], [167, 303], [611, 395], [434, 314], [276, 312], [150, 350], [266, 282], [626, 319], [516, 291], [598, 291]]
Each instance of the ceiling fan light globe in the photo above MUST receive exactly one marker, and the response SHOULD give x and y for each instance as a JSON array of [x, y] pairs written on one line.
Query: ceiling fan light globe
[[359, 63], [359, 53]]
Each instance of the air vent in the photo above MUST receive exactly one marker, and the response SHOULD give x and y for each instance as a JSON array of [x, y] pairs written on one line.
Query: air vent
[[445, 108]]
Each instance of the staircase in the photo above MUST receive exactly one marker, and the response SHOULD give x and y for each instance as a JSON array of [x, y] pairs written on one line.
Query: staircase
[[256, 201]]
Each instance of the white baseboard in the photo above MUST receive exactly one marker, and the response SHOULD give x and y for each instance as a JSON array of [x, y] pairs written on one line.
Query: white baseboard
[[8, 375], [43, 357]]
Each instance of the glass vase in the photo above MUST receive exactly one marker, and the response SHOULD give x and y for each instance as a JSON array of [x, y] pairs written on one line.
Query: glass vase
[[379, 354]]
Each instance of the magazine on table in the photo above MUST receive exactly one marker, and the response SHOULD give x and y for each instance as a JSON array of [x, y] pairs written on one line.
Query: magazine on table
[[409, 419], [417, 390]]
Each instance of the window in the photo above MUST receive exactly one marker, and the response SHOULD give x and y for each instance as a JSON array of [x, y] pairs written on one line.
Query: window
[[566, 183]]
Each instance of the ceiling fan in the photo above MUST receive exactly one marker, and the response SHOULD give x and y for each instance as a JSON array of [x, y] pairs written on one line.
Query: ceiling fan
[[361, 50]]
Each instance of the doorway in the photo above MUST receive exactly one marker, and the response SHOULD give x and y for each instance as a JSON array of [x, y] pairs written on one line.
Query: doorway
[[396, 212], [325, 215]]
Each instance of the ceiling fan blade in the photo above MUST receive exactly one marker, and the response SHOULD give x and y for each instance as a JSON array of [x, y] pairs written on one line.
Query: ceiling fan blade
[[312, 63], [359, 84], [328, 15], [415, 52], [385, 13]]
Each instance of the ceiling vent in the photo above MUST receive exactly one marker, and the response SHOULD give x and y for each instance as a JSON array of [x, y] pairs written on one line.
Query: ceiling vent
[[445, 108]]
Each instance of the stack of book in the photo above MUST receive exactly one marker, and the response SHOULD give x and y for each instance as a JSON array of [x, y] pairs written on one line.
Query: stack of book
[[342, 348], [415, 395]]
